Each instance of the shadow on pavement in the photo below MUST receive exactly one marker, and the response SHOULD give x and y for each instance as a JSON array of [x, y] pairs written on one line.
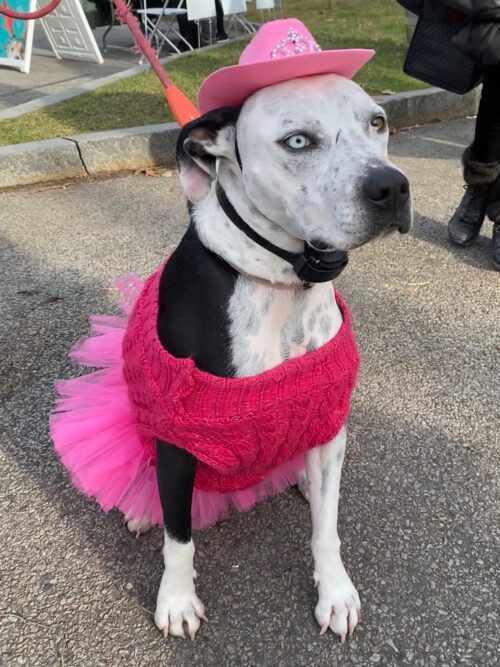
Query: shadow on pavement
[[477, 255], [442, 141]]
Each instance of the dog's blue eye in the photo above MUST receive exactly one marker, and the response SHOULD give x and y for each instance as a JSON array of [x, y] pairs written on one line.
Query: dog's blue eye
[[298, 141]]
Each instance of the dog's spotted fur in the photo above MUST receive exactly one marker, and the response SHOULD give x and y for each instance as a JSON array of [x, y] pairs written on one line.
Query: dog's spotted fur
[[278, 324]]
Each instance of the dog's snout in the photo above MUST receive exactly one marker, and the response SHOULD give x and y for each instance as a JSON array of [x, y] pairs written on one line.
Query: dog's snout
[[387, 188]]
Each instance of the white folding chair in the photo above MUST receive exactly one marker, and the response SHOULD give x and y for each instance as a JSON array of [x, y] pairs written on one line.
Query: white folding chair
[[153, 16], [235, 10], [201, 10], [268, 6]]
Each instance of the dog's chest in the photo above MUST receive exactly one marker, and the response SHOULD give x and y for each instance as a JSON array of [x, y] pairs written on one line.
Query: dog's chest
[[268, 326]]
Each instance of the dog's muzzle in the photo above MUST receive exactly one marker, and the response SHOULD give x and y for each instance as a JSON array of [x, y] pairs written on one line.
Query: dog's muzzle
[[387, 189]]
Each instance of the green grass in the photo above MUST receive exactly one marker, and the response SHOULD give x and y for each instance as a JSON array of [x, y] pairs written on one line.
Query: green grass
[[138, 100]]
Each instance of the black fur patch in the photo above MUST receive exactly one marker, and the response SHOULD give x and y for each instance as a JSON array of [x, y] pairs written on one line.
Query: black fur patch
[[213, 122], [195, 289]]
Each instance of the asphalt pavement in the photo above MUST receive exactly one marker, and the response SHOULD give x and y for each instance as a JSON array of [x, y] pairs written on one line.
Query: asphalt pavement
[[419, 516]]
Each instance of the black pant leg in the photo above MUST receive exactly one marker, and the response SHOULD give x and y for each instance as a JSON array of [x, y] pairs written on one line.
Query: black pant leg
[[189, 30], [487, 136], [219, 13]]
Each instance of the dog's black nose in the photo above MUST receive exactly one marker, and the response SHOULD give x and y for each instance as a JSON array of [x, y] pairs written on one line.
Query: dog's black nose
[[386, 187]]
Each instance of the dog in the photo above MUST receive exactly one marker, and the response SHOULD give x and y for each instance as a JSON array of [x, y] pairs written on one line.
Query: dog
[[15, 49], [279, 187], [312, 166]]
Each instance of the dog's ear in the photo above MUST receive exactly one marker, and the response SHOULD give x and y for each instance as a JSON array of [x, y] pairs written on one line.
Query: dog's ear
[[199, 145]]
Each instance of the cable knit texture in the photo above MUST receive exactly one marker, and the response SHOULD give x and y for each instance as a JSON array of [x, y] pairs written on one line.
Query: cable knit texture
[[237, 428]]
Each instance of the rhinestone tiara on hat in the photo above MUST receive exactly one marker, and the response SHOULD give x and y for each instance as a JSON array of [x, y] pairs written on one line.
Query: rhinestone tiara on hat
[[294, 44]]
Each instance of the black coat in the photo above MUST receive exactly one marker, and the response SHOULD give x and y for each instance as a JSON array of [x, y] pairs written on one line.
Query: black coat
[[479, 34]]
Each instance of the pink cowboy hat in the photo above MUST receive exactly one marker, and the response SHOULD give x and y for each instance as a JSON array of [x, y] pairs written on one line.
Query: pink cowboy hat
[[281, 50]]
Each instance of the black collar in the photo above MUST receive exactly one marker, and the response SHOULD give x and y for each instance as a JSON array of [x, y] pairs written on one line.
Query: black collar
[[311, 265]]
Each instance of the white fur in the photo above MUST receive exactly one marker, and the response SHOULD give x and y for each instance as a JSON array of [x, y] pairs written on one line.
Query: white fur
[[338, 606], [223, 238], [177, 605], [269, 325], [311, 193]]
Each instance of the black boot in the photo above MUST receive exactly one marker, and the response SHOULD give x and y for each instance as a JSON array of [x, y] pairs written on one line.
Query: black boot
[[466, 223], [468, 219]]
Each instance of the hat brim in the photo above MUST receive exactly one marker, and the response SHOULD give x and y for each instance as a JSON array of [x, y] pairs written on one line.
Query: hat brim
[[231, 86]]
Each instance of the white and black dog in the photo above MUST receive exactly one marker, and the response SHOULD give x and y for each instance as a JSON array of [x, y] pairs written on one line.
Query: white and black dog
[[300, 162]]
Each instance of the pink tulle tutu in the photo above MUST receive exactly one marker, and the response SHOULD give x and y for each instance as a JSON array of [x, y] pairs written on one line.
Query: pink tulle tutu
[[95, 435]]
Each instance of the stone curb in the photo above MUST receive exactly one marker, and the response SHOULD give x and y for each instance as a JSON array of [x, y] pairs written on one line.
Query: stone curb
[[129, 148], [154, 145], [419, 107], [50, 160]]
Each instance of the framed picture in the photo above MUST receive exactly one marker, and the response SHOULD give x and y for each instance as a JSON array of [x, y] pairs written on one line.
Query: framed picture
[[16, 37]]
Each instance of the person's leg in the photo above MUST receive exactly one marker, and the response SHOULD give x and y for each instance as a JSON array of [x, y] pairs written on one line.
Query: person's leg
[[487, 149], [481, 163], [188, 29], [493, 212], [486, 146], [219, 13]]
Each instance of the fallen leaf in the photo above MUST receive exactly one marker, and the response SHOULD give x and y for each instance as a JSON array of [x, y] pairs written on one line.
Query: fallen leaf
[[147, 171]]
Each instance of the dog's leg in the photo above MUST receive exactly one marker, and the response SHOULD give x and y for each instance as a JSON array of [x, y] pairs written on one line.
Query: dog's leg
[[178, 609], [303, 483], [338, 605], [138, 526]]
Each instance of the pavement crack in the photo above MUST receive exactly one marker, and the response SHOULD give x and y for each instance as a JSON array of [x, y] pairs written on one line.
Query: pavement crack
[[79, 153]]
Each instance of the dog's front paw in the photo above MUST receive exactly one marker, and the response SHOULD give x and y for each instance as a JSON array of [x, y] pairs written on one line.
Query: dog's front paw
[[178, 609], [339, 607]]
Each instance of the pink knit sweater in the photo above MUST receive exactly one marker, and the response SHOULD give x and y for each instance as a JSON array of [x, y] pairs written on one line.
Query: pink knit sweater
[[237, 428]]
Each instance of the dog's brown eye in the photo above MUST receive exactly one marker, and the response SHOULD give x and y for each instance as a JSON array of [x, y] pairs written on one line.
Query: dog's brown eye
[[378, 122]]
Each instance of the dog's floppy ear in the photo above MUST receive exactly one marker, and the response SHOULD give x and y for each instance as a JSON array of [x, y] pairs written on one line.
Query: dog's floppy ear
[[199, 145]]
